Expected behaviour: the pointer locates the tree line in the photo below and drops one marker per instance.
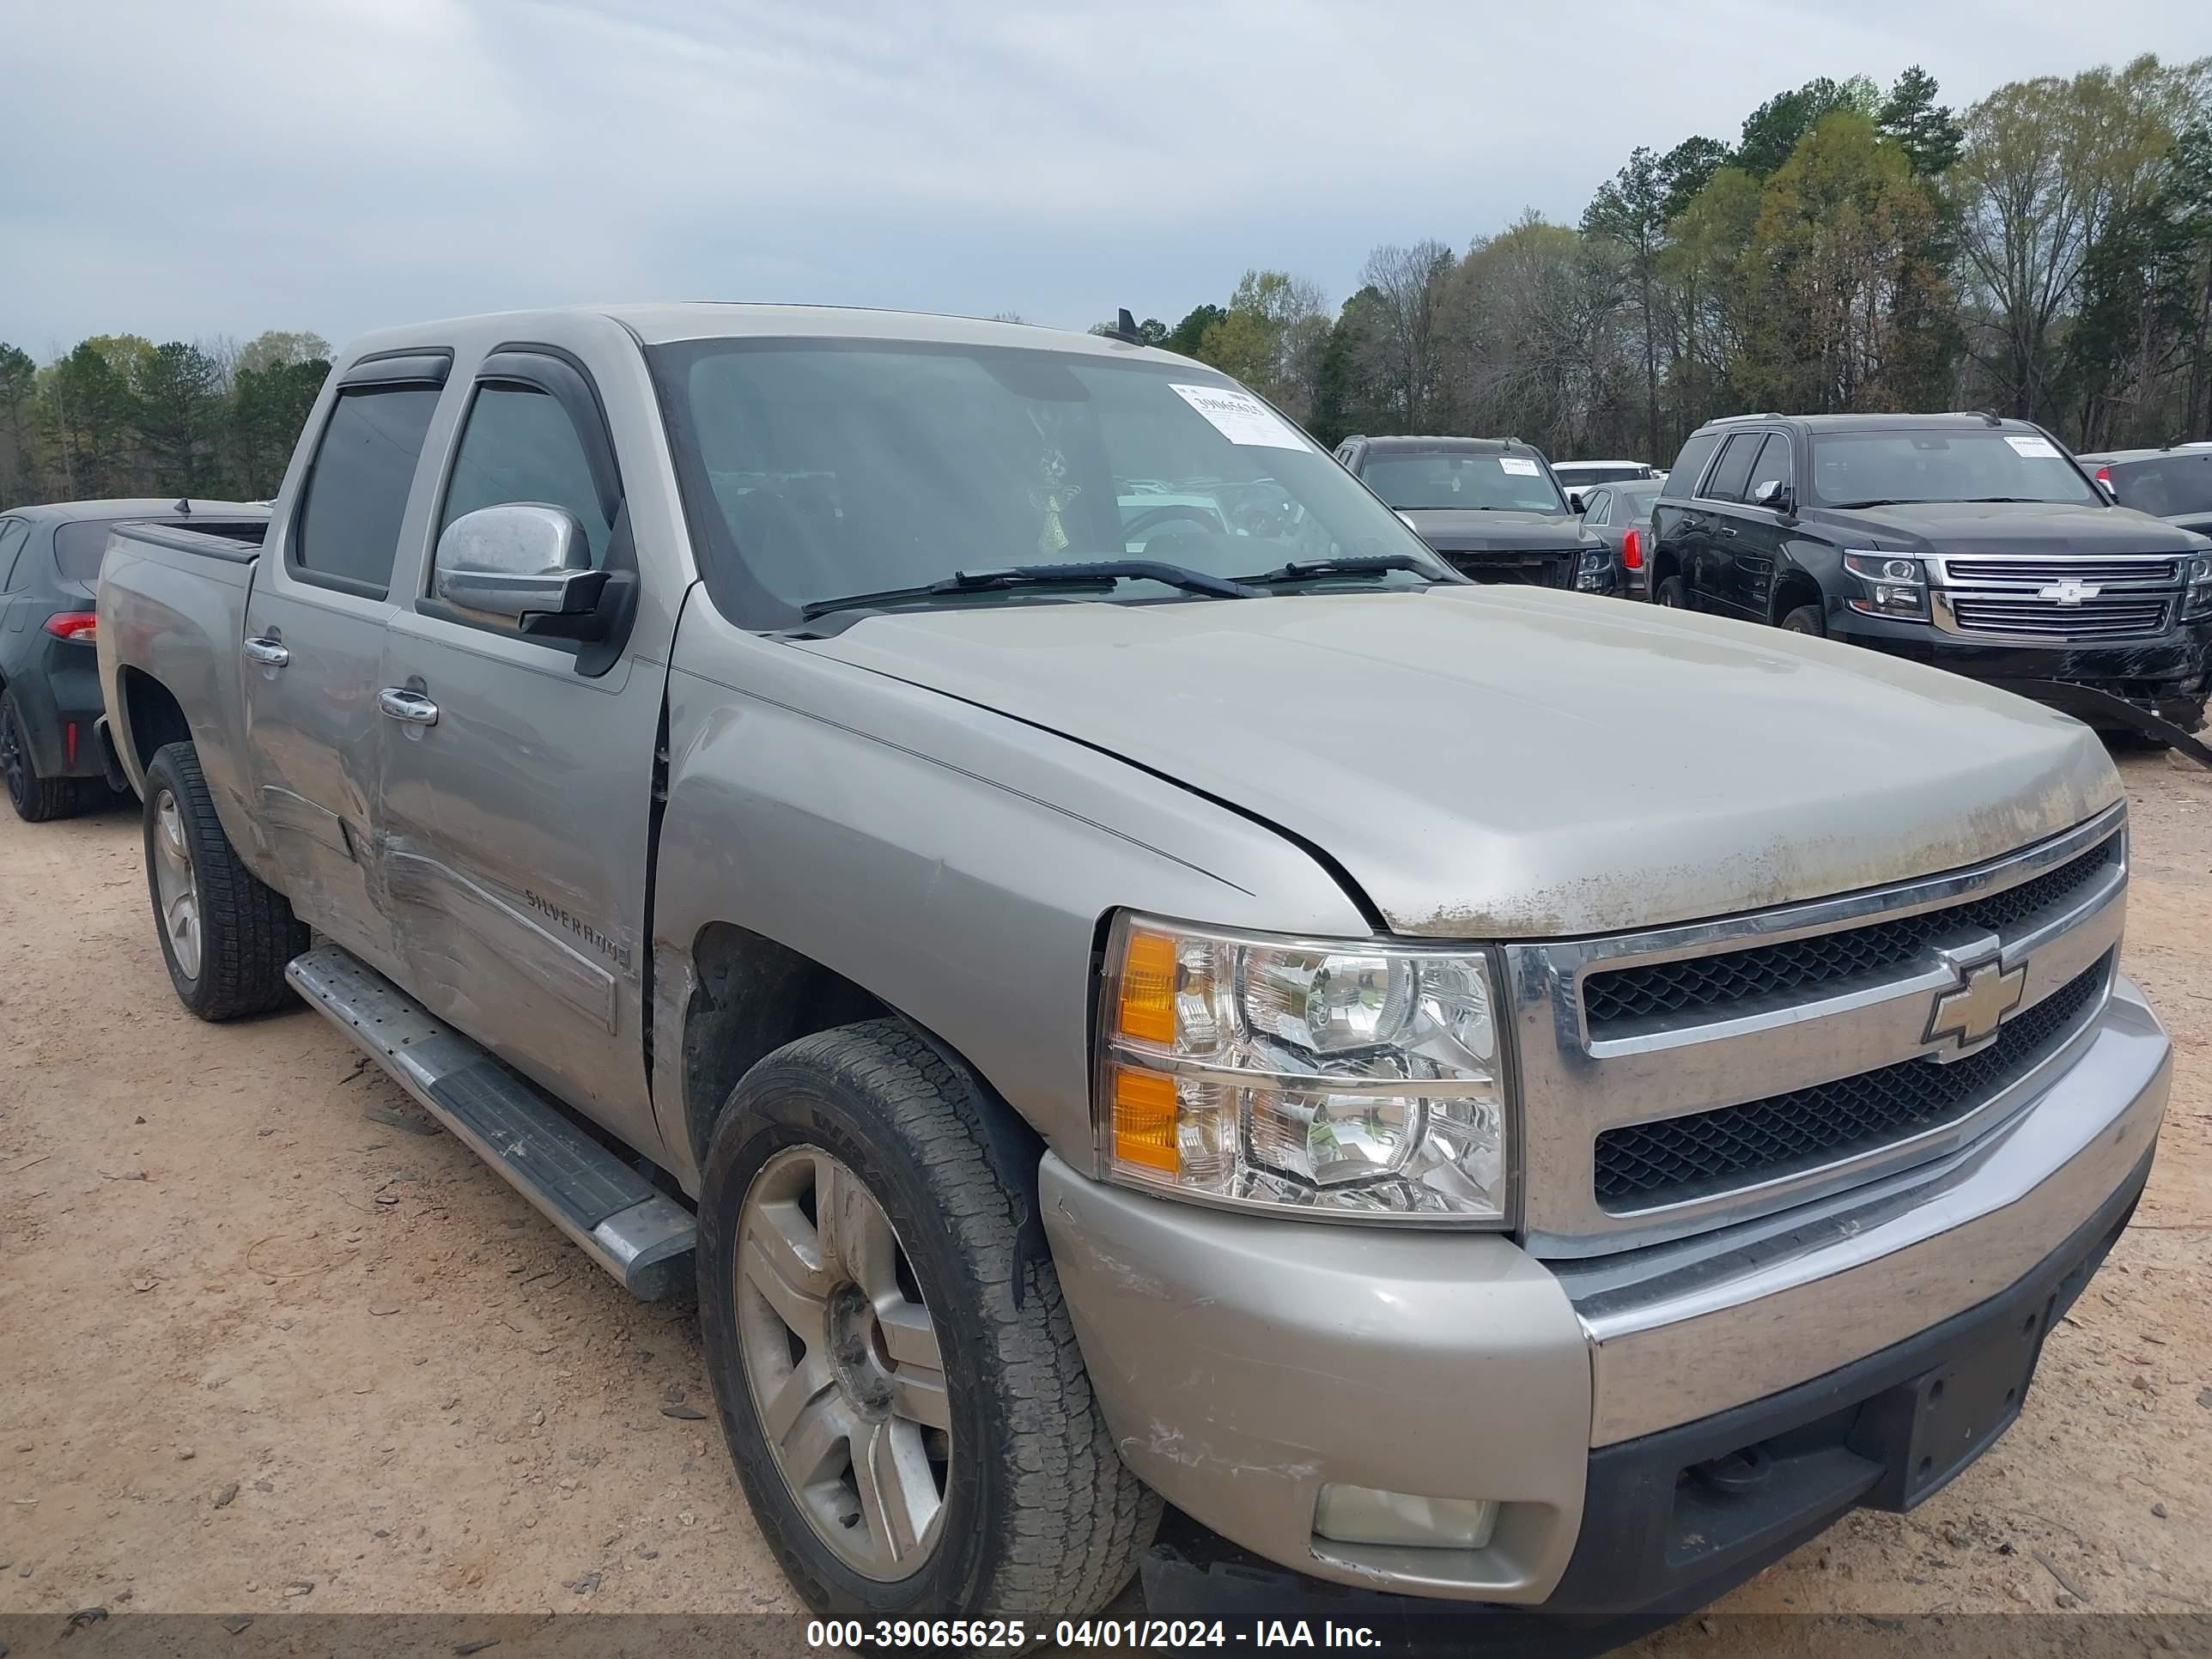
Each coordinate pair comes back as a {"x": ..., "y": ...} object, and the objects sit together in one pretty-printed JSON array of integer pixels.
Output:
[
  {"x": 2046, "y": 253},
  {"x": 119, "y": 416}
]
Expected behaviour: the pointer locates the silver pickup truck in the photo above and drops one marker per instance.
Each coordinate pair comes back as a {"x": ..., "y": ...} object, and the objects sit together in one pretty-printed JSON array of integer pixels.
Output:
[{"x": 1114, "y": 996}]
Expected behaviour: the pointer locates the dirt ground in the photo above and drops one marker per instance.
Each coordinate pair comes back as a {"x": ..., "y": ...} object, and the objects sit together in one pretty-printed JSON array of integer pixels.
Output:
[{"x": 263, "y": 1326}]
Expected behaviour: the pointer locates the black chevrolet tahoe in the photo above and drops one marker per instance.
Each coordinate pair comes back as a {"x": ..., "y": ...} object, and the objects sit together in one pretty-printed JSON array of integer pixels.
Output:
[
  {"x": 1491, "y": 506},
  {"x": 1964, "y": 540}
]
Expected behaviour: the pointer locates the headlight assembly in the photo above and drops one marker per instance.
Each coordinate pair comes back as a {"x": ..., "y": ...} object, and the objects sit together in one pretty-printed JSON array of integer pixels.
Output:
[
  {"x": 1349, "y": 1081},
  {"x": 1889, "y": 586}
]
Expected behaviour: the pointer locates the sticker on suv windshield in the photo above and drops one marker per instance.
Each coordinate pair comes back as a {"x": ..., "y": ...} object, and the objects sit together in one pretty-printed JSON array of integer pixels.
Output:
[
  {"x": 1520, "y": 465},
  {"x": 1240, "y": 417},
  {"x": 2034, "y": 449}
]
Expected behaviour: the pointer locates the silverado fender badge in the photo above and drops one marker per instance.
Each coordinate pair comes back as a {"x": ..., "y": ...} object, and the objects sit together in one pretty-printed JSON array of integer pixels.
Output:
[{"x": 1972, "y": 1011}]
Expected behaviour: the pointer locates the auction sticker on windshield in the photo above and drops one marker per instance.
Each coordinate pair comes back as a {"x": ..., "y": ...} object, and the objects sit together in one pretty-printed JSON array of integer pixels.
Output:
[
  {"x": 1240, "y": 418},
  {"x": 1519, "y": 466},
  {"x": 2033, "y": 449}
]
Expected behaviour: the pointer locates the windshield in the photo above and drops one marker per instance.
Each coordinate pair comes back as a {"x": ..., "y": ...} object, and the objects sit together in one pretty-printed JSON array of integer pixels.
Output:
[
  {"x": 2169, "y": 487},
  {"x": 1418, "y": 480},
  {"x": 1575, "y": 474},
  {"x": 81, "y": 544},
  {"x": 1866, "y": 468},
  {"x": 820, "y": 469}
]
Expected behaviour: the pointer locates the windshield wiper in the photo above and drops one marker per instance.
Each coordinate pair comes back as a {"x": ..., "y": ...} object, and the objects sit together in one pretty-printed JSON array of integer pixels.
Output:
[
  {"x": 1369, "y": 564},
  {"x": 1095, "y": 573},
  {"x": 1879, "y": 501},
  {"x": 2027, "y": 501}
]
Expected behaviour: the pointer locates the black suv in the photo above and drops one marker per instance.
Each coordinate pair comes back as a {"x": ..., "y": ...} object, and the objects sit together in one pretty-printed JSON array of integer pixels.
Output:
[
  {"x": 1964, "y": 540},
  {"x": 1490, "y": 506}
]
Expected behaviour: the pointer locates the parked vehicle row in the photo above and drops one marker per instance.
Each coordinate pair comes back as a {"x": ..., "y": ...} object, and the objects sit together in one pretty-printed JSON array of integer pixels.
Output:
[{"x": 1116, "y": 965}]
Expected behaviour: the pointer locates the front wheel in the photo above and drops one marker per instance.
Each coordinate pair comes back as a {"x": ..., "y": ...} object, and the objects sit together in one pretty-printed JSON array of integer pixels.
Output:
[
  {"x": 225, "y": 935},
  {"x": 1807, "y": 619},
  {"x": 1672, "y": 593},
  {"x": 898, "y": 1378}
]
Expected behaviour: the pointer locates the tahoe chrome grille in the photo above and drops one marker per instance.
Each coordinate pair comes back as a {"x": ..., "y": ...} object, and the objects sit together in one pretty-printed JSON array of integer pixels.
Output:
[
  {"x": 1702, "y": 984},
  {"x": 1643, "y": 1165},
  {"x": 2042, "y": 572},
  {"x": 1690, "y": 1076},
  {"x": 2125, "y": 617}
]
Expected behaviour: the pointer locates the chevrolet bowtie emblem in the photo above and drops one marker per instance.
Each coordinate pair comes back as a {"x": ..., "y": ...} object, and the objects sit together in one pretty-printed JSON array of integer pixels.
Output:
[
  {"x": 2070, "y": 592},
  {"x": 1972, "y": 1013}
]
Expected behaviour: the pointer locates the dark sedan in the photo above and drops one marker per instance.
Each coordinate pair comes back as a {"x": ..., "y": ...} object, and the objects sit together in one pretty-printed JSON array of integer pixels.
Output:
[
  {"x": 50, "y": 702},
  {"x": 1619, "y": 514}
]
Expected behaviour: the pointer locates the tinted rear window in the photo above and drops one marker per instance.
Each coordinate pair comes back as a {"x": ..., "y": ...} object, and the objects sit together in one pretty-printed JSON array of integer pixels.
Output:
[
  {"x": 2166, "y": 488},
  {"x": 78, "y": 547},
  {"x": 356, "y": 494},
  {"x": 1682, "y": 478}
]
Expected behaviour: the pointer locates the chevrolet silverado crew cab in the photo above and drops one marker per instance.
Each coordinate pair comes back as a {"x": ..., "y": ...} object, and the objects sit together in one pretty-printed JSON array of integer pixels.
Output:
[
  {"x": 1109, "y": 1027},
  {"x": 1966, "y": 541},
  {"x": 1491, "y": 506}
]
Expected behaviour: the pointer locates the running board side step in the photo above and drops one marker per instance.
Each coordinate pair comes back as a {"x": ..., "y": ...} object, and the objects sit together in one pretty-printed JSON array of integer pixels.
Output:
[{"x": 623, "y": 1221}]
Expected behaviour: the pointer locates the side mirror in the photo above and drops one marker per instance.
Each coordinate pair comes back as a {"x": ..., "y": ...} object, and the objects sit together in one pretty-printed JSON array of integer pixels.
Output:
[
  {"x": 526, "y": 564},
  {"x": 1575, "y": 502},
  {"x": 1772, "y": 493}
]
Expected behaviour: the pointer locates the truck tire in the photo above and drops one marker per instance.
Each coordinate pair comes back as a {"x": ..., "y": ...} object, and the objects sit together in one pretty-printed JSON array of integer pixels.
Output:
[
  {"x": 225, "y": 935},
  {"x": 1673, "y": 593},
  {"x": 36, "y": 800},
  {"x": 1807, "y": 619},
  {"x": 985, "y": 1485}
]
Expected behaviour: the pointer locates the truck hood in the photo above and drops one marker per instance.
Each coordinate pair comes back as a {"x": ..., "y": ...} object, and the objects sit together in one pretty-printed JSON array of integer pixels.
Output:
[
  {"x": 1510, "y": 762},
  {"x": 1469, "y": 530},
  {"x": 2012, "y": 527}
]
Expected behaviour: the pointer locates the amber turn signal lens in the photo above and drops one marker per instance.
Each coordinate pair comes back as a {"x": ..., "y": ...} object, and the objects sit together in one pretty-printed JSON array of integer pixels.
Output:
[
  {"x": 1148, "y": 988},
  {"x": 1144, "y": 1120}
]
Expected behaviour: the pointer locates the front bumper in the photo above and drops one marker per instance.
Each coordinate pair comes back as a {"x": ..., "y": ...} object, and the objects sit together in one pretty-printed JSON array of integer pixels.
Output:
[
  {"x": 2169, "y": 676},
  {"x": 1243, "y": 1363}
]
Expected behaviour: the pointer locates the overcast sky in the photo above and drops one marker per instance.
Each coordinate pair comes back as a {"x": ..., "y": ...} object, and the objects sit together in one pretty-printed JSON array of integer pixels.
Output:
[{"x": 180, "y": 168}]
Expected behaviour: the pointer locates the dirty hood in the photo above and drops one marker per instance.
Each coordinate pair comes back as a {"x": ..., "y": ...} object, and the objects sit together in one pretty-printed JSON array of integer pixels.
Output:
[
  {"x": 1956, "y": 527},
  {"x": 1502, "y": 762}
]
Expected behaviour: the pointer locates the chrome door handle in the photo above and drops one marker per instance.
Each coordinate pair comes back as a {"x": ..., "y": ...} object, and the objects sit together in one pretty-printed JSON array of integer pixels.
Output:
[
  {"x": 270, "y": 654},
  {"x": 409, "y": 706},
  {"x": 1728, "y": 530}
]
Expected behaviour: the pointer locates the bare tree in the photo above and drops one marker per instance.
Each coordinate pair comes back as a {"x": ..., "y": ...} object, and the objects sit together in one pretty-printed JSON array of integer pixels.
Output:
[{"x": 1406, "y": 335}]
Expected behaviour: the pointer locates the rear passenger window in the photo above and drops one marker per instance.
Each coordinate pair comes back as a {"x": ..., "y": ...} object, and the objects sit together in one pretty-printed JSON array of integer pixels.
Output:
[
  {"x": 1733, "y": 471},
  {"x": 520, "y": 446},
  {"x": 1682, "y": 477},
  {"x": 356, "y": 493}
]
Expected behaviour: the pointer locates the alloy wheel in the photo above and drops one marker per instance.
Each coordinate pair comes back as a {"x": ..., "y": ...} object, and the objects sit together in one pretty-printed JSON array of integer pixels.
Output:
[
  {"x": 176, "y": 886},
  {"x": 13, "y": 763},
  {"x": 844, "y": 1362}
]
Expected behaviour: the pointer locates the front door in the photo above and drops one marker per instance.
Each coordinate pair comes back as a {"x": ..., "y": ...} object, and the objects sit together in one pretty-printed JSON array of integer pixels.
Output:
[
  {"x": 313, "y": 645},
  {"x": 518, "y": 772},
  {"x": 1759, "y": 533}
]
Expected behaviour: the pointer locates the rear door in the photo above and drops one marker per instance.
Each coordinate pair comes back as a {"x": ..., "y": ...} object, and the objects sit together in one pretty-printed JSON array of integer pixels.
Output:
[
  {"x": 314, "y": 643},
  {"x": 517, "y": 820}
]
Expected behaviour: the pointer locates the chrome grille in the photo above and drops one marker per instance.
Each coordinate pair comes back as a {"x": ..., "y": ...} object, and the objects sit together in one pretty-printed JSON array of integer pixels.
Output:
[
  {"x": 1646, "y": 1164},
  {"x": 2106, "y": 617},
  {"x": 2041, "y": 573},
  {"x": 1706, "y": 986},
  {"x": 1692, "y": 1076}
]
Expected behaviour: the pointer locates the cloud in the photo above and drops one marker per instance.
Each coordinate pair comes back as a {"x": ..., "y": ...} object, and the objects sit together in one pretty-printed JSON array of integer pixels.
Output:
[{"x": 234, "y": 165}]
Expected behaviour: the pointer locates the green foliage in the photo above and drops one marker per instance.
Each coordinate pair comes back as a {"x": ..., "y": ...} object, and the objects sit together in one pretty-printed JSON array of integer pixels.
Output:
[
  {"x": 1919, "y": 126},
  {"x": 117, "y": 416},
  {"x": 1186, "y": 335},
  {"x": 1771, "y": 132}
]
